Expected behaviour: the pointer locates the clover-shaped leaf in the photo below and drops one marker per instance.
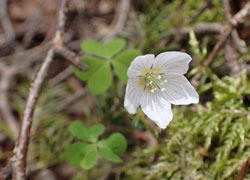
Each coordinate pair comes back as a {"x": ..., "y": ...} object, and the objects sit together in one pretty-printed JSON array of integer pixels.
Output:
[
  {"x": 85, "y": 154},
  {"x": 78, "y": 130},
  {"x": 122, "y": 62},
  {"x": 107, "y": 152},
  {"x": 93, "y": 64},
  {"x": 90, "y": 157},
  {"x": 117, "y": 143},
  {"x": 99, "y": 73},
  {"x": 90, "y": 134},
  {"x": 75, "y": 152},
  {"x": 101, "y": 79},
  {"x": 104, "y": 50},
  {"x": 95, "y": 131},
  {"x": 98, "y": 76}
]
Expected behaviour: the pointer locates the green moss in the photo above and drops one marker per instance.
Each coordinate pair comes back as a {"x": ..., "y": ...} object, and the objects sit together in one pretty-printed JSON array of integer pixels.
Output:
[{"x": 162, "y": 19}]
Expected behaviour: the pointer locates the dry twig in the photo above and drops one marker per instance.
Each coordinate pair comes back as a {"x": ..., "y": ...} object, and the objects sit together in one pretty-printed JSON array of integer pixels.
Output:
[
  {"x": 7, "y": 75},
  {"x": 199, "y": 29},
  {"x": 243, "y": 170},
  {"x": 235, "y": 20},
  {"x": 70, "y": 100},
  {"x": 239, "y": 43},
  {"x": 227, "y": 10},
  {"x": 61, "y": 76},
  {"x": 21, "y": 147},
  {"x": 29, "y": 56},
  {"x": 5, "y": 20},
  {"x": 227, "y": 31},
  {"x": 120, "y": 18},
  {"x": 70, "y": 56}
]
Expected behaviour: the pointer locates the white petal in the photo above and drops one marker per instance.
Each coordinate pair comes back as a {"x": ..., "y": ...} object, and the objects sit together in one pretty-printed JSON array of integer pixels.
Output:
[
  {"x": 139, "y": 64},
  {"x": 157, "y": 109},
  {"x": 179, "y": 91},
  {"x": 132, "y": 96},
  {"x": 173, "y": 62}
]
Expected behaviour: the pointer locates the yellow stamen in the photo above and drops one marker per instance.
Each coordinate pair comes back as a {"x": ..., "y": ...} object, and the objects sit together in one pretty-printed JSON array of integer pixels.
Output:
[{"x": 152, "y": 79}]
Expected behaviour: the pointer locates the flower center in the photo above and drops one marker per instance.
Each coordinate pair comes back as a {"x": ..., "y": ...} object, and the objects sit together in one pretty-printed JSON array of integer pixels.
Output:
[{"x": 152, "y": 80}]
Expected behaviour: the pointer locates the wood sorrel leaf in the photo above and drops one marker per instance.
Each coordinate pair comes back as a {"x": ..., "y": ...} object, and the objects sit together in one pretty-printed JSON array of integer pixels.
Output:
[
  {"x": 98, "y": 75},
  {"x": 74, "y": 153},
  {"x": 101, "y": 79},
  {"x": 122, "y": 62},
  {"x": 95, "y": 131},
  {"x": 104, "y": 50},
  {"x": 90, "y": 157},
  {"x": 78, "y": 130},
  {"x": 107, "y": 153},
  {"x": 117, "y": 143}
]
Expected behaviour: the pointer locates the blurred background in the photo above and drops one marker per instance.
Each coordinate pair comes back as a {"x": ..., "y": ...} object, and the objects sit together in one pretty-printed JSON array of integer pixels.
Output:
[{"x": 210, "y": 140}]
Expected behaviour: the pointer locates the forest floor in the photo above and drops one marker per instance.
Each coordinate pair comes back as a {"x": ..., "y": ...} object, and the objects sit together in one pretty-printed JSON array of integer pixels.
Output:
[{"x": 210, "y": 140}]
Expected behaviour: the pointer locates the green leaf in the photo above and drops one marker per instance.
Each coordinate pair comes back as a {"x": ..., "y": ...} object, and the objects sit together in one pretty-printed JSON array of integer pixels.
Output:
[
  {"x": 74, "y": 153},
  {"x": 101, "y": 79},
  {"x": 90, "y": 157},
  {"x": 117, "y": 142},
  {"x": 95, "y": 131},
  {"x": 78, "y": 130},
  {"x": 80, "y": 74},
  {"x": 122, "y": 62},
  {"x": 105, "y": 50},
  {"x": 93, "y": 64},
  {"x": 98, "y": 75},
  {"x": 107, "y": 153}
]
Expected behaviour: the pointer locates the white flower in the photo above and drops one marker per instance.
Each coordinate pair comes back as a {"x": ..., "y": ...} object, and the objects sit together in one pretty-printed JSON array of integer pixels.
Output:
[{"x": 154, "y": 83}]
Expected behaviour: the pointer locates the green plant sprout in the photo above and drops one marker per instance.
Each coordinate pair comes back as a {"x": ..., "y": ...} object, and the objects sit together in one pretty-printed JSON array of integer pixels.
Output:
[
  {"x": 86, "y": 153},
  {"x": 99, "y": 74}
]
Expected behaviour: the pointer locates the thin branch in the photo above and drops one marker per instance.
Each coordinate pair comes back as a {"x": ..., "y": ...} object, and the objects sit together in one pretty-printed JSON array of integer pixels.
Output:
[
  {"x": 238, "y": 18},
  {"x": 227, "y": 10},
  {"x": 61, "y": 76},
  {"x": 5, "y": 20},
  {"x": 239, "y": 43},
  {"x": 28, "y": 56},
  {"x": 7, "y": 74},
  {"x": 243, "y": 170},
  {"x": 58, "y": 44},
  {"x": 202, "y": 28},
  {"x": 120, "y": 18},
  {"x": 21, "y": 148},
  {"x": 71, "y": 100},
  {"x": 241, "y": 15},
  {"x": 71, "y": 57},
  {"x": 231, "y": 58},
  {"x": 235, "y": 20},
  {"x": 227, "y": 31},
  {"x": 230, "y": 54}
]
